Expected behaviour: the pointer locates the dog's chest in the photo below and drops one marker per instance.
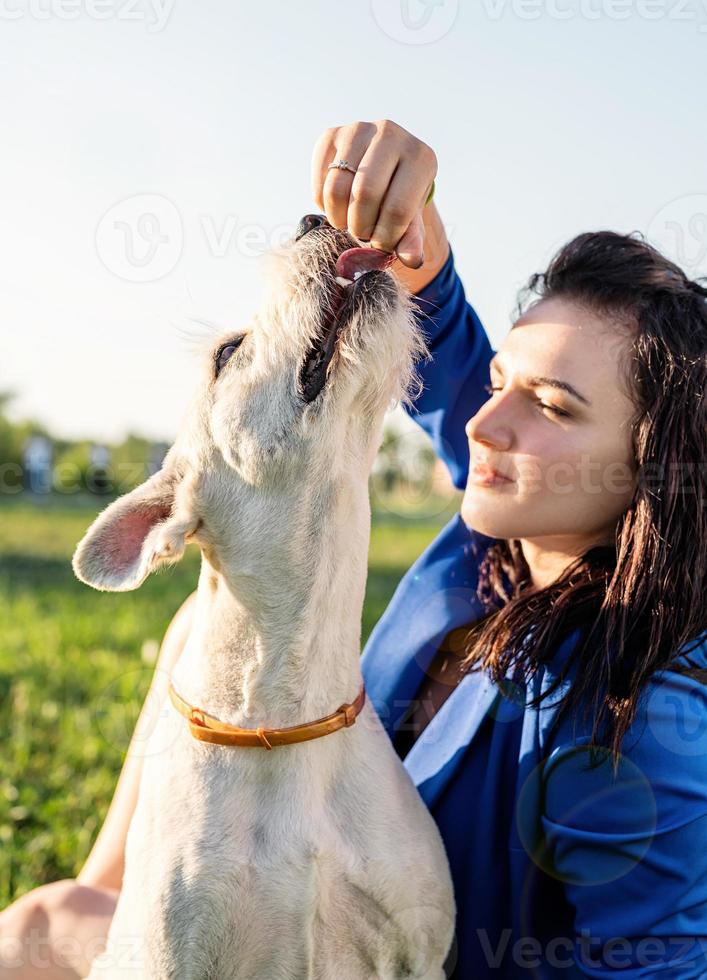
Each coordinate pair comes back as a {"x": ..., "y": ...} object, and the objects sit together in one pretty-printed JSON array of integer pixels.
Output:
[
  {"x": 238, "y": 874},
  {"x": 233, "y": 904},
  {"x": 225, "y": 873},
  {"x": 306, "y": 917}
]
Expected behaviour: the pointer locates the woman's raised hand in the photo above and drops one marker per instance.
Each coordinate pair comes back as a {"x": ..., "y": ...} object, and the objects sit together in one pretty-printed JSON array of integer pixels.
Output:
[{"x": 382, "y": 202}]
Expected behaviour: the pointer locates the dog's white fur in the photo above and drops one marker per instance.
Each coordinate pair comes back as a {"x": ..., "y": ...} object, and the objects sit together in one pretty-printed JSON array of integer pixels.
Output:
[{"x": 315, "y": 860}]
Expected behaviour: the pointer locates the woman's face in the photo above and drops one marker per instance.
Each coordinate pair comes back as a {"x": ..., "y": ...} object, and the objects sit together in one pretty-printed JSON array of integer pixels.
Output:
[{"x": 570, "y": 476}]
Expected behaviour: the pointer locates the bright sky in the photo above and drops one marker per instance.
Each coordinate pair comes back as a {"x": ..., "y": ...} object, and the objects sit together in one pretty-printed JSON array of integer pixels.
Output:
[{"x": 152, "y": 149}]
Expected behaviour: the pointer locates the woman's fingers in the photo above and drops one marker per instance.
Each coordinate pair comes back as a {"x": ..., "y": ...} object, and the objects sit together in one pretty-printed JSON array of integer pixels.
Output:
[
  {"x": 322, "y": 155},
  {"x": 347, "y": 143},
  {"x": 370, "y": 186},
  {"x": 382, "y": 201},
  {"x": 403, "y": 201},
  {"x": 411, "y": 246}
]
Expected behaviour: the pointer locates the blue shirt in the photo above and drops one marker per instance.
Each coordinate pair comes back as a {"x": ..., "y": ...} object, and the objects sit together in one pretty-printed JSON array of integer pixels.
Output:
[{"x": 559, "y": 870}]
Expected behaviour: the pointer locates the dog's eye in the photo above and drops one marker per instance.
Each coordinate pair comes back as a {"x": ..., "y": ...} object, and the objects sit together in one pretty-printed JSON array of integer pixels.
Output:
[{"x": 226, "y": 351}]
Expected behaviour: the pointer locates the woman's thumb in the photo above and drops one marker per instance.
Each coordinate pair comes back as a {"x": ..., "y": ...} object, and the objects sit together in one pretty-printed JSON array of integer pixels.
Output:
[{"x": 410, "y": 247}]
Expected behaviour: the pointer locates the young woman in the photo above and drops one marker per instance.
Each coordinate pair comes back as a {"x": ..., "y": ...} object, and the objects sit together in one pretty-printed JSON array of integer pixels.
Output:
[{"x": 540, "y": 668}]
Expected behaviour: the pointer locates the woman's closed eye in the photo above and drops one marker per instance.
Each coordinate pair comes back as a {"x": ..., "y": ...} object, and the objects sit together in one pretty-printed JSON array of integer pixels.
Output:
[{"x": 541, "y": 404}]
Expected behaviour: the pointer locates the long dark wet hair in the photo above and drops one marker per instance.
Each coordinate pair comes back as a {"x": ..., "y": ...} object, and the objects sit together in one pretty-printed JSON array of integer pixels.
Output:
[{"x": 641, "y": 601}]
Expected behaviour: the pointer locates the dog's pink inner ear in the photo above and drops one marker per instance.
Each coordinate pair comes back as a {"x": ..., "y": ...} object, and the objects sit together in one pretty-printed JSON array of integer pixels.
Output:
[{"x": 124, "y": 538}]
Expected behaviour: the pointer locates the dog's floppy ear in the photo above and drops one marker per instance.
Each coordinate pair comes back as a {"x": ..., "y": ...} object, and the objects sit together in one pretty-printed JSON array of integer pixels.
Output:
[{"x": 137, "y": 532}]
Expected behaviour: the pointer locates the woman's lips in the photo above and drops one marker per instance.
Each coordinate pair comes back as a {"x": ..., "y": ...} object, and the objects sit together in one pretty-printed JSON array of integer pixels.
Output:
[{"x": 485, "y": 476}]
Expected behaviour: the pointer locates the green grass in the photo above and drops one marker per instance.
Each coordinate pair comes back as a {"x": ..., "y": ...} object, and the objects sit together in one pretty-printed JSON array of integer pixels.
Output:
[{"x": 72, "y": 675}]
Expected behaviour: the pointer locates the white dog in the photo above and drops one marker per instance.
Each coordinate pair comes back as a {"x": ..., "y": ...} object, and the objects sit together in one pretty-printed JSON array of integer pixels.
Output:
[{"x": 316, "y": 859}]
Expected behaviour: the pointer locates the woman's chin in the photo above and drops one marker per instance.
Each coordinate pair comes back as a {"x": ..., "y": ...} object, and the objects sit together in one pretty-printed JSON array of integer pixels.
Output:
[
  {"x": 485, "y": 517},
  {"x": 476, "y": 520}
]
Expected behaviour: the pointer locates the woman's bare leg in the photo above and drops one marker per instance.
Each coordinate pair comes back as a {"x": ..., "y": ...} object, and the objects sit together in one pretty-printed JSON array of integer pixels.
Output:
[
  {"x": 103, "y": 867},
  {"x": 54, "y": 931}
]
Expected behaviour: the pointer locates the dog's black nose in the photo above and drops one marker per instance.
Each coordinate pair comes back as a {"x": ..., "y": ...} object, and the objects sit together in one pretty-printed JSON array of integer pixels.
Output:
[{"x": 307, "y": 223}]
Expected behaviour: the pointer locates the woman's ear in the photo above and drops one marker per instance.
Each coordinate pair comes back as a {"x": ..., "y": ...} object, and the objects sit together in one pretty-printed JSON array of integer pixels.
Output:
[{"x": 137, "y": 532}]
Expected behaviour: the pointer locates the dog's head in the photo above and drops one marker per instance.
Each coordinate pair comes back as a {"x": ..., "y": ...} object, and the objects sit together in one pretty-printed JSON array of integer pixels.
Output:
[{"x": 288, "y": 409}]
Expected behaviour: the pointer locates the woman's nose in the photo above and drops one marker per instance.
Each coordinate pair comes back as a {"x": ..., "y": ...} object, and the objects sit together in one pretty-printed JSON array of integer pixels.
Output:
[
  {"x": 308, "y": 223},
  {"x": 489, "y": 431}
]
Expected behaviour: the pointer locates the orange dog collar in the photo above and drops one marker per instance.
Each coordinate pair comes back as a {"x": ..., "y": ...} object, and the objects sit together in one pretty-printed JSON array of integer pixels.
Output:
[{"x": 209, "y": 729}]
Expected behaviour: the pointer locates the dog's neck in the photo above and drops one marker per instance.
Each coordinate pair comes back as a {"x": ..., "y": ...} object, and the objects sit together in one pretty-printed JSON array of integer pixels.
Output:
[{"x": 280, "y": 645}]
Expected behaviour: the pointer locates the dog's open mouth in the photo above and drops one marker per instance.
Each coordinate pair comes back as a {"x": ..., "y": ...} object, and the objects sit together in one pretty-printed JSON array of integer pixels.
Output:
[{"x": 355, "y": 269}]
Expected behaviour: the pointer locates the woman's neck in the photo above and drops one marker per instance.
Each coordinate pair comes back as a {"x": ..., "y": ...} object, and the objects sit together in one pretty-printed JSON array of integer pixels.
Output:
[{"x": 548, "y": 557}]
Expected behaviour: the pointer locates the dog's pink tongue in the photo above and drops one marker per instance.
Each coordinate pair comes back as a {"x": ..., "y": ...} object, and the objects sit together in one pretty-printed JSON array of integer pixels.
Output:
[{"x": 360, "y": 260}]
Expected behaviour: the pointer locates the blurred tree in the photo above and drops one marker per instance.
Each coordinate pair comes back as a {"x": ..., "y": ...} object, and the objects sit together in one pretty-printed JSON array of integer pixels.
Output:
[
  {"x": 126, "y": 464},
  {"x": 13, "y": 438},
  {"x": 8, "y": 449},
  {"x": 131, "y": 462},
  {"x": 70, "y": 466}
]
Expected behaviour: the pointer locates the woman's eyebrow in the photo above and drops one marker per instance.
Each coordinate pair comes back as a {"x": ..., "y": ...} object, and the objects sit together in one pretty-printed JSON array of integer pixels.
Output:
[{"x": 546, "y": 382}]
